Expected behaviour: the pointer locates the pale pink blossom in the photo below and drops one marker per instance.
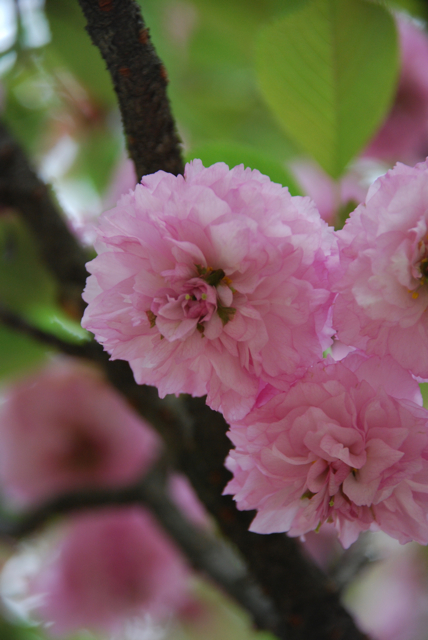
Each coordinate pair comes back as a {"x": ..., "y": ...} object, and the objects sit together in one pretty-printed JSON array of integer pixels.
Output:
[
  {"x": 382, "y": 306},
  {"x": 215, "y": 283},
  {"x": 333, "y": 199},
  {"x": 65, "y": 428},
  {"x": 347, "y": 444},
  {"x": 109, "y": 566},
  {"x": 404, "y": 134},
  {"x": 389, "y": 599}
]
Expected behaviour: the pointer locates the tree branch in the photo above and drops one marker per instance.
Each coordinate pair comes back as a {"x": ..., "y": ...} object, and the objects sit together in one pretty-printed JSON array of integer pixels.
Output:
[
  {"x": 89, "y": 350},
  {"x": 21, "y": 189},
  {"x": 139, "y": 79},
  {"x": 204, "y": 552}
]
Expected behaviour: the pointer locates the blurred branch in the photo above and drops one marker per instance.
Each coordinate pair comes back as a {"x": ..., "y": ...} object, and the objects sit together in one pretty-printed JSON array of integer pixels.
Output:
[
  {"x": 352, "y": 561},
  {"x": 205, "y": 552},
  {"x": 21, "y": 189},
  {"x": 139, "y": 79},
  {"x": 89, "y": 350}
]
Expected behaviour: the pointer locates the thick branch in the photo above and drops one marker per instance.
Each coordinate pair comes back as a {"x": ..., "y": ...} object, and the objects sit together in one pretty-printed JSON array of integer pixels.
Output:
[
  {"x": 21, "y": 189},
  {"x": 139, "y": 78},
  {"x": 205, "y": 553}
]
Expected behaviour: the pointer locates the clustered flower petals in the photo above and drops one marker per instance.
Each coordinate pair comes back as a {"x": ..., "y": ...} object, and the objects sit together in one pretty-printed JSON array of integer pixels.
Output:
[
  {"x": 343, "y": 445},
  {"x": 382, "y": 302},
  {"x": 221, "y": 283},
  {"x": 215, "y": 283}
]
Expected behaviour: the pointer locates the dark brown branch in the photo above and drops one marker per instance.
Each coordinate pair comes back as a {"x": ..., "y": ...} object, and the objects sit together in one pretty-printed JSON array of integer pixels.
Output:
[
  {"x": 21, "y": 189},
  {"x": 205, "y": 552},
  {"x": 139, "y": 78}
]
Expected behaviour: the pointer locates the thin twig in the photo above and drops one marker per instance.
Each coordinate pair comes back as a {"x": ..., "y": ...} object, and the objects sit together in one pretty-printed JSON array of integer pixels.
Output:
[
  {"x": 204, "y": 552},
  {"x": 139, "y": 78},
  {"x": 89, "y": 350}
]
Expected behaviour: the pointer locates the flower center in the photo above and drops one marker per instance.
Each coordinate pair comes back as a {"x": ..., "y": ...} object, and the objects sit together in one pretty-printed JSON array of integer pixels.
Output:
[
  {"x": 420, "y": 268},
  {"x": 423, "y": 268},
  {"x": 211, "y": 276},
  {"x": 84, "y": 453},
  {"x": 190, "y": 304}
]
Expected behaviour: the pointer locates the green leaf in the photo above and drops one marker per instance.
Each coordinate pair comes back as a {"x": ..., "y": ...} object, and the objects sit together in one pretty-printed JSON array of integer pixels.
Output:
[
  {"x": 28, "y": 288},
  {"x": 234, "y": 154},
  {"x": 72, "y": 44},
  {"x": 328, "y": 71},
  {"x": 99, "y": 152},
  {"x": 19, "y": 354},
  {"x": 24, "y": 281},
  {"x": 424, "y": 390},
  {"x": 52, "y": 319},
  {"x": 18, "y": 631}
]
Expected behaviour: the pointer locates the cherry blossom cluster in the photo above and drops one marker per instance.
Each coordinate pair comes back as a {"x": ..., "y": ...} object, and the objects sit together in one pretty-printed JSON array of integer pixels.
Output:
[{"x": 221, "y": 283}]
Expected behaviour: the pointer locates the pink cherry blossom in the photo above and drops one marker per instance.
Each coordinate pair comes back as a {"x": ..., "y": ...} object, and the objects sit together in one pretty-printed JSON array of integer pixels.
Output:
[
  {"x": 332, "y": 197},
  {"x": 389, "y": 600},
  {"x": 109, "y": 566},
  {"x": 213, "y": 283},
  {"x": 347, "y": 444},
  {"x": 65, "y": 428},
  {"x": 382, "y": 306},
  {"x": 404, "y": 134}
]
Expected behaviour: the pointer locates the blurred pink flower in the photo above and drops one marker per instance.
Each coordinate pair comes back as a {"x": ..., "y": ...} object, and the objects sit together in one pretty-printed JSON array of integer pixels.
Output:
[
  {"x": 382, "y": 306},
  {"x": 404, "y": 134},
  {"x": 65, "y": 428},
  {"x": 213, "y": 283},
  {"x": 346, "y": 444},
  {"x": 330, "y": 197},
  {"x": 389, "y": 600},
  {"x": 109, "y": 566}
]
